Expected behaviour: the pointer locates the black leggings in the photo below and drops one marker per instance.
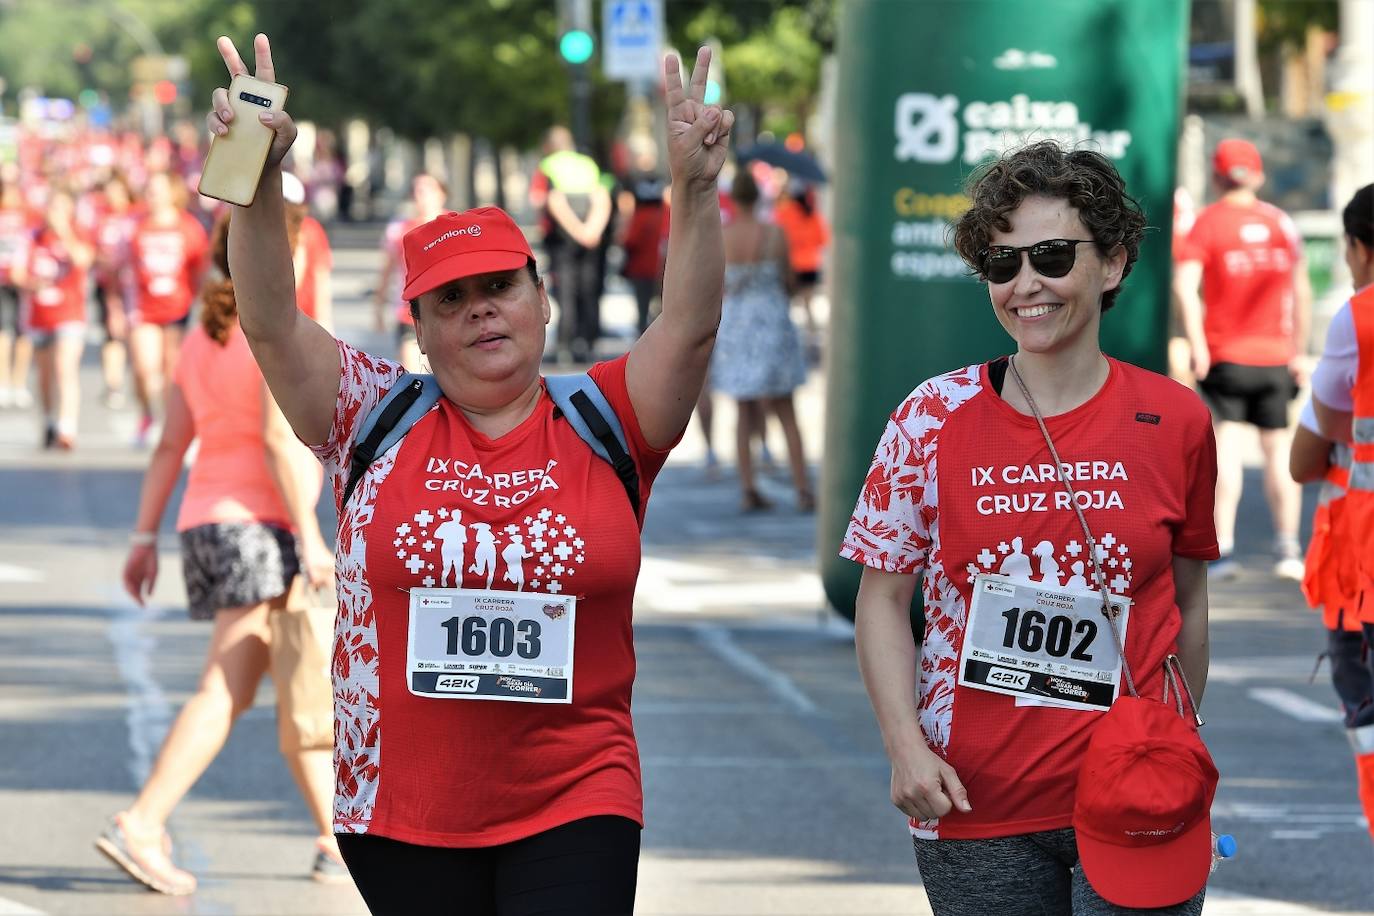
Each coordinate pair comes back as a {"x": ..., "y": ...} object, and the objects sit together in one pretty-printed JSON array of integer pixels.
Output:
[{"x": 585, "y": 868}]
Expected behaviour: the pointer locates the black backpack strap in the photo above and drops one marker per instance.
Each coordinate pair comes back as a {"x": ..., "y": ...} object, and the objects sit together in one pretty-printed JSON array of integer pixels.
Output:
[
  {"x": 620, "y": 459},
  {"x": 365, "y": 452},
  {"x": 579, "y": 401}
]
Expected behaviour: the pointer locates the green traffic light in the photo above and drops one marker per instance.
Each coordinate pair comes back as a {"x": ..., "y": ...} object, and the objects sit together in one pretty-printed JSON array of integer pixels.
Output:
[
  {"x": 712, "y": 95},
  {"x": 575, "y": 46}
]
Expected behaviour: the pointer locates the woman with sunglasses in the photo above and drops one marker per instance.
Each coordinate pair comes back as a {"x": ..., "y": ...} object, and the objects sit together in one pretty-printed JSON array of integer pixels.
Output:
[{"x": 965, "y": 491}]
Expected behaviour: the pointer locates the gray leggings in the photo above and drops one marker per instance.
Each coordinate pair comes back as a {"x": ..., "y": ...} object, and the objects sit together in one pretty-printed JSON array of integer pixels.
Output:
[{"x": 1035, "y": 874}]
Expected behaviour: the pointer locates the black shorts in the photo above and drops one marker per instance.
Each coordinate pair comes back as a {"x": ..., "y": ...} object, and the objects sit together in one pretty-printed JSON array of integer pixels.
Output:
[
  {"x": 10, "y": 312},
  {"x": 235, "y": 564},
  {"x": 1257, "y": 395},
  {"x": 585, "y": 868},
  {"x": 808, "y": 277}
]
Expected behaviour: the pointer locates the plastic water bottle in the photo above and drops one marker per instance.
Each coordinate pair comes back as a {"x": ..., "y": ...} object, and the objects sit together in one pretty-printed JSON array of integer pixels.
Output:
[{"x": 1223, "y": 847}]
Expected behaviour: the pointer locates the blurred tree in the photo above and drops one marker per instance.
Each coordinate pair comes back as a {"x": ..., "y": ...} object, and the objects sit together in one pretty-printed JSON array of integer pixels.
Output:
[
  {"x": 424, "y": 68},
  {"x": 772, "y": 51},
  {"x": 1284, "y": 23}
]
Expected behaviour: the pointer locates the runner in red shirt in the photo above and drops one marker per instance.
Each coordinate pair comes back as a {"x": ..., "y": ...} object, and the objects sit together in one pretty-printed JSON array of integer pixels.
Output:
[
  {"x": 530, "y": 789},
  {"x": 808, "y": 234},
  {"x": 169, "y": 256},
  {"x": 114, "y": 222},
  {"x": 1248, "y": 333},
  {"x": 17, "y": 226},
  {"x": 55, "y": 280},
  {"x": 964, "y": 493},
  {"x": 310, "y": 254},
  {"x": 428, "y": 197}
]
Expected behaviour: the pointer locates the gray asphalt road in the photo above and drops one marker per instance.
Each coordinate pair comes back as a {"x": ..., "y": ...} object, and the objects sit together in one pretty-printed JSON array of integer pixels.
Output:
[{"x": 765, "y": 781}]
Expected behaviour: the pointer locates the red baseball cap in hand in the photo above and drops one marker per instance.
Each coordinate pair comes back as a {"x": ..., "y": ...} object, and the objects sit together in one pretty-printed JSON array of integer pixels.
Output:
[
  {"x": 456, "y": 245},
  {"x": 1237, "y": 160},
  {"x": 1142, "y": 809}
]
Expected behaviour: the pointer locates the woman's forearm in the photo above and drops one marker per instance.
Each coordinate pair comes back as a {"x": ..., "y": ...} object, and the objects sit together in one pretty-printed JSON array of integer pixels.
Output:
[
  {"x": 158, "y": 482},
  {"x": 1190, "y": 589},
  {"x": 285, "y": 463},
  {"x": 260, "y": 263},
  {"x": 887, "y": 662},
  {"x": 693, "y": 281}
]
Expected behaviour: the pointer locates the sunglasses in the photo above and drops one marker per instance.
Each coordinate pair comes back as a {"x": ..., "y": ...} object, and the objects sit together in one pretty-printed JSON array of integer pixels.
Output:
[{"x": 1050, "y": 258}]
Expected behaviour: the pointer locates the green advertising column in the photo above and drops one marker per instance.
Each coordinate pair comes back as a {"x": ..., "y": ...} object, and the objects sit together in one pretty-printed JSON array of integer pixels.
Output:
[{"x": 928, "y": 90}]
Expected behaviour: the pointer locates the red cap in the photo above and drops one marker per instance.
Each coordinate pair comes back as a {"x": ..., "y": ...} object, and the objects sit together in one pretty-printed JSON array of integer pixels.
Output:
[
  {"x": 456, "y": 245},
  {"x": 1142, "y": 809},
  {"x": 1237, "y": 160}
]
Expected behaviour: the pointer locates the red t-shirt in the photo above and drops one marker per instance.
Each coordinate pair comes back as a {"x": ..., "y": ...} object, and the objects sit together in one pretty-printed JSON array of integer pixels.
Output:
[
  {"x": 553, "y": 518},
  {"x": 230, "y": 480},
  {"x": 57, "y": 287},
  {"x": 392, "y": 248},
  {"x": 1248, "y": 255},
  {"x": 315, "y": 247},
  {"x": 168, "y": 262},
  {"x": 807, "y": 235},
  {"x": 114, "y": 235},
  {"x": 962, "y": 484}
]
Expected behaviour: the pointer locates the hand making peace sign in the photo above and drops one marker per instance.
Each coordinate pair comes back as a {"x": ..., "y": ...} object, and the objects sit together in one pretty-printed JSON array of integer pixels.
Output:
[
  {"x": 221, "y": 114},
  {"x": 698, "y": 134}
]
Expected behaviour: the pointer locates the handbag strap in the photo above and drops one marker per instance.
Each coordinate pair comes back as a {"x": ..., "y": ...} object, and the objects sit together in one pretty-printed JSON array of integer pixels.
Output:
[{"x": 1099, "y": 577}]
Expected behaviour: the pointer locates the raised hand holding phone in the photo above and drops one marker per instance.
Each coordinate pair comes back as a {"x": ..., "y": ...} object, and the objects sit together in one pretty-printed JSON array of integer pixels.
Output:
[{"x": 250, "y": 130}]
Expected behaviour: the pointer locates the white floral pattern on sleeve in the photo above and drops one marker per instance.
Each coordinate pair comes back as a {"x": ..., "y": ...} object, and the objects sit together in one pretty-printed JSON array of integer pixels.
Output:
[
  {"x": 896, "y": 528},
  {"x": 364, "y": 381}
]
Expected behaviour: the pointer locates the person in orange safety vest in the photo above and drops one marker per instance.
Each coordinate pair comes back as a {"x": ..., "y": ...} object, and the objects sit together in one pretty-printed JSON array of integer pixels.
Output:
[{"x": 1343, "y": 407}]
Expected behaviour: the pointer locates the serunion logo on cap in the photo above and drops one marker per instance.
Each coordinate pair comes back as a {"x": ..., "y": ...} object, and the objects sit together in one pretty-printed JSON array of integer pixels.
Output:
[{"x": 473, "y": 231}]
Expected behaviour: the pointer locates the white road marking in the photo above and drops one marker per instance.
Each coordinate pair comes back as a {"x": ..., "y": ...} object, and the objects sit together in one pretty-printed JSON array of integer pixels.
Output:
[
  {"x": 149, "y": 715},
  {"x": 14, "y": 908},
  {"x": 657, "y": 568},
  {"x": 1266, "y": 668},
  {"x": 1229, "y": 903},
  {"x": 19, "y": 574},
  {"x": 672, "y": 597},
  {"x": 719, "y": 641},
  {"x": 1289, "y": 703}
]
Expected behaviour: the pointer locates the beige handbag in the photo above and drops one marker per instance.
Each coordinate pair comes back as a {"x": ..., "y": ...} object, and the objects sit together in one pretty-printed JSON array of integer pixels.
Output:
[{"x": 301, "y": 649}]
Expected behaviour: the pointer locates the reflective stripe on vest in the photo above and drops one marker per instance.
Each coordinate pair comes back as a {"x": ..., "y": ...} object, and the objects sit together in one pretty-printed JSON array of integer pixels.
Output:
[
  {"x": 1336, "y": 480},
  {"x": 1362, "y": 439},
  {"x": 1358, "y": 524}
]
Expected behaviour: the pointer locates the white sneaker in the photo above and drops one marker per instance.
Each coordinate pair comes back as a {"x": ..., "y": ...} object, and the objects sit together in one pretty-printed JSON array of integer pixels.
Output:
[
  {"x": 21, "y": 398},
  {"x": 1290, "y": 568}
]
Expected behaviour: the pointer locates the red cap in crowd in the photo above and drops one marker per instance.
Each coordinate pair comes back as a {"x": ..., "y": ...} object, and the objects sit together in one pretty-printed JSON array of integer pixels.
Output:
[
  {"x": 1142, "y": 809},
  {"x": 1237, "y": 160},
  {"x": 456, "y": 245}
]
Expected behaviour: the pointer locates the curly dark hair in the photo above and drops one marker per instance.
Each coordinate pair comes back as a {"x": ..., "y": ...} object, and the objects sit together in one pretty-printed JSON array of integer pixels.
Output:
[{"x": 1086, "y": 179}]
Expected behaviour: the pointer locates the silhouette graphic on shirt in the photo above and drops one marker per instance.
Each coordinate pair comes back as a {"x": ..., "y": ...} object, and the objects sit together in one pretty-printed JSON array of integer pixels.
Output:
[
  {"x": 484, "y": 555},
  {"x": 1077, "y": 580},
  {"x": 453, "y": 534},
  {"x": 1049, "y": 566},
  {"x": 514, "y": 554},
  {"x": 1016, "y": 563}
]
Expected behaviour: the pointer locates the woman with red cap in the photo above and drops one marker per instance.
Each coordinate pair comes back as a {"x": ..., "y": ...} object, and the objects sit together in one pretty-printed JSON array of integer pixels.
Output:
[
  {"x": 491, "y": 533},
  {"x": 1055, "y": 502}
]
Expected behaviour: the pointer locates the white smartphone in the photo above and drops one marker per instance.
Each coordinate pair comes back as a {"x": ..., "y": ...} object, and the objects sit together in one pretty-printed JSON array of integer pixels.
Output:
[{"x": 233, "y": 167}]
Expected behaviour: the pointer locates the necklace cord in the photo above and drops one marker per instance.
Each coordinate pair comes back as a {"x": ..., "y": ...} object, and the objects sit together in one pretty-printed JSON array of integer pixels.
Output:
[{"x": 1099, "y": 577}]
